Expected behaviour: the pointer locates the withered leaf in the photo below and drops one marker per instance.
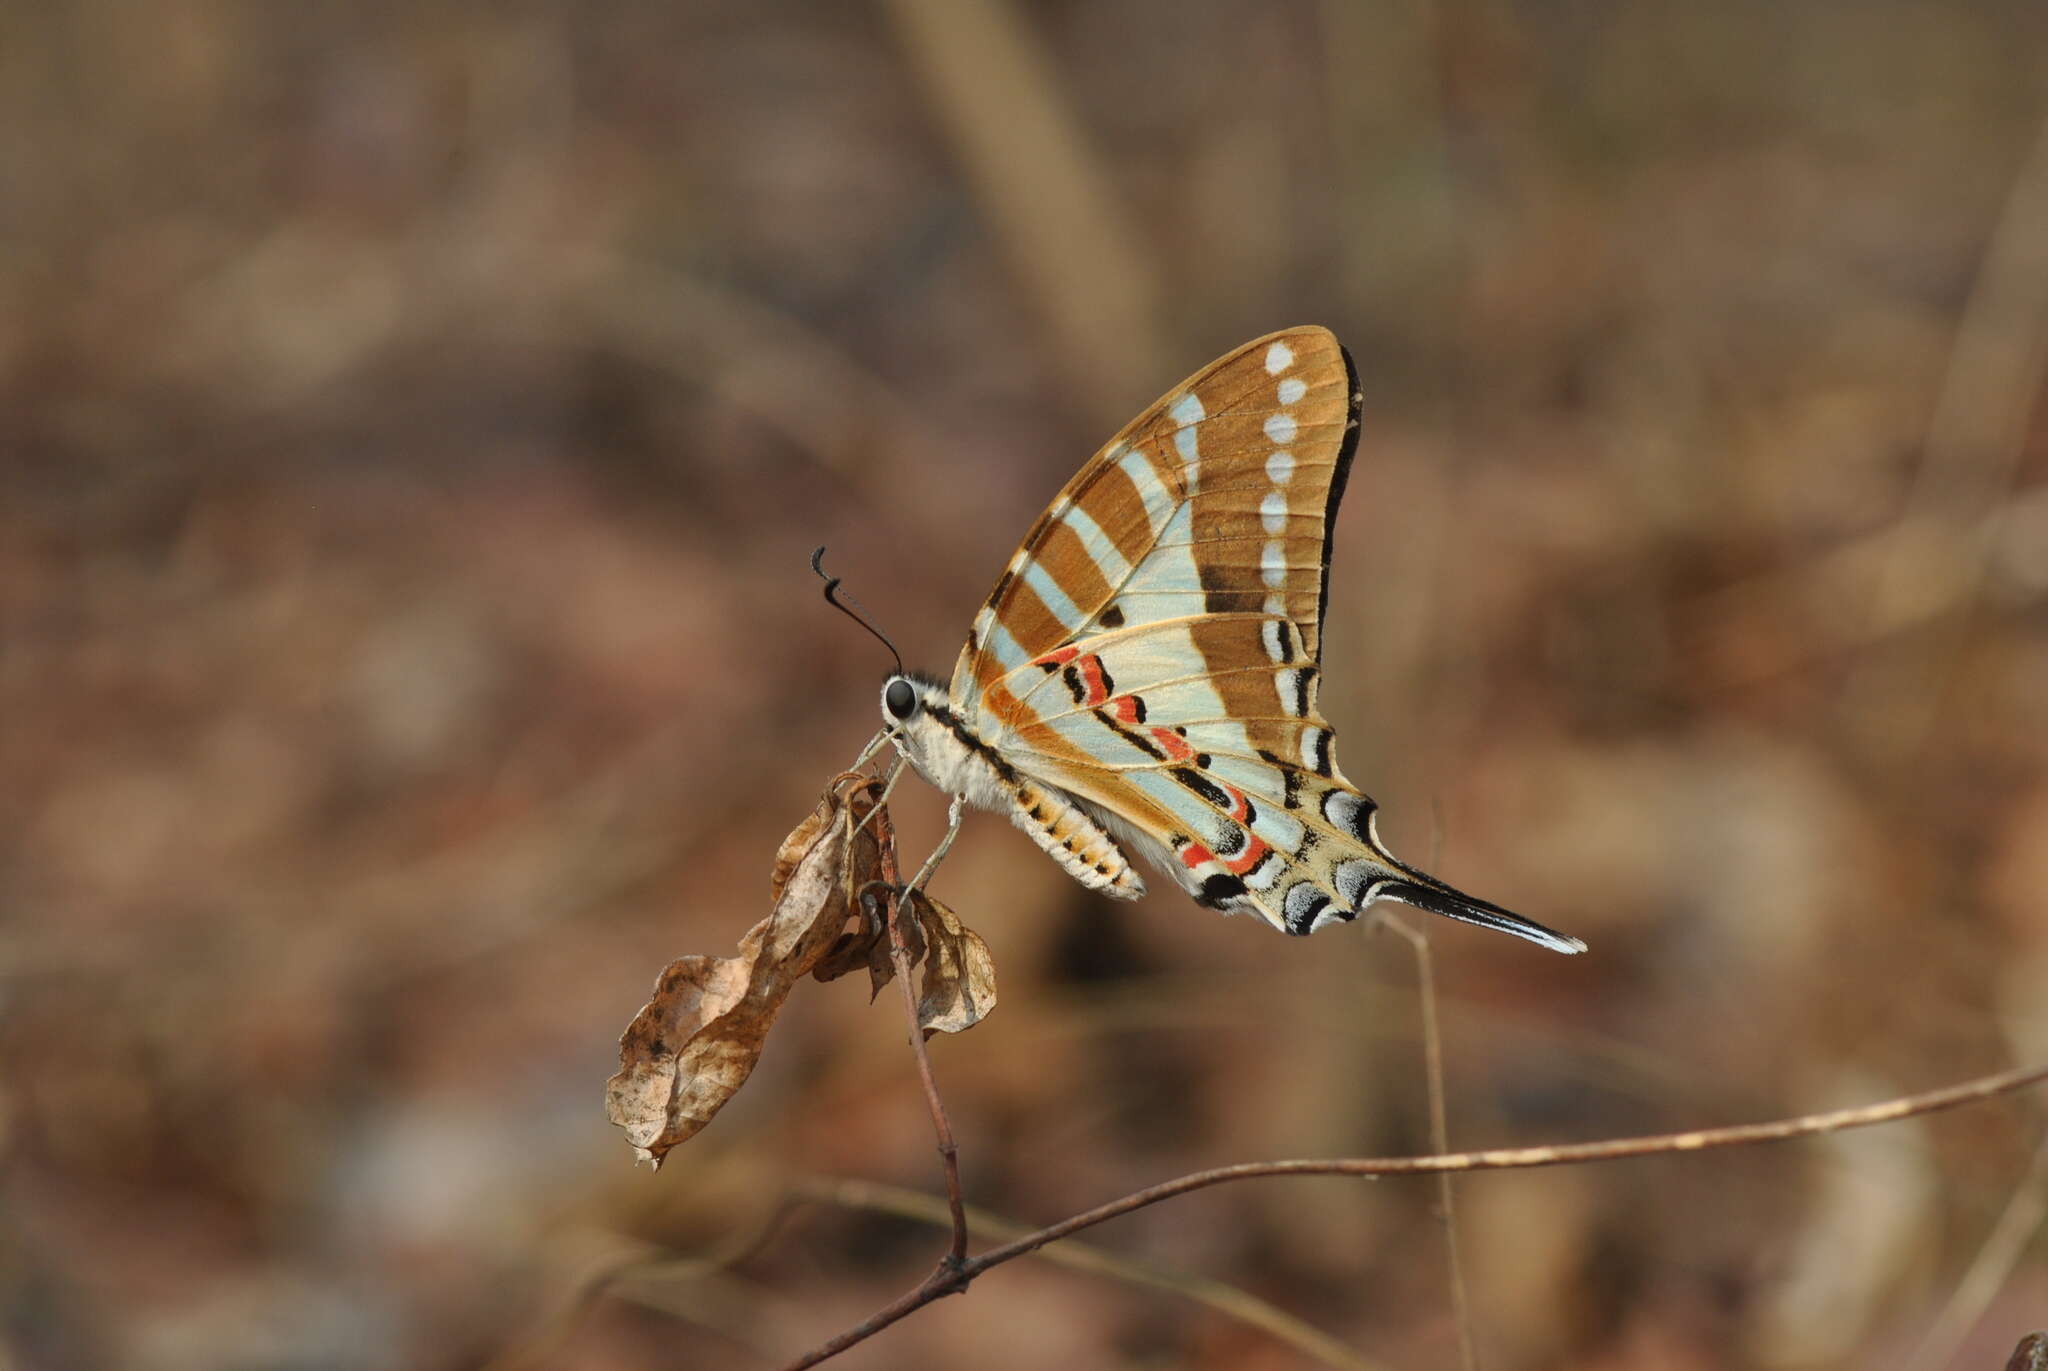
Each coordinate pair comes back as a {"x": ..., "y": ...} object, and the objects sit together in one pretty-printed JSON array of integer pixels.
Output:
[
  {"x": 695, "y": 1043},
  {"x": 959, "y": 984},
  {"x": 697, "y": 1040},
  {"x": 958, "y": 987}
]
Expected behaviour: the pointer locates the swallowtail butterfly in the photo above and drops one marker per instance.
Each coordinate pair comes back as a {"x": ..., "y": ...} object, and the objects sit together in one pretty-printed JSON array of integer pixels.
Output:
[{"x": 1143, "y": 677}]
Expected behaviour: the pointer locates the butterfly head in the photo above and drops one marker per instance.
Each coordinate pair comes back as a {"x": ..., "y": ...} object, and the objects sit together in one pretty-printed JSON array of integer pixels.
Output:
[
  {"x": 912, "y": 705},
  {"x": 936, "y": 741}
]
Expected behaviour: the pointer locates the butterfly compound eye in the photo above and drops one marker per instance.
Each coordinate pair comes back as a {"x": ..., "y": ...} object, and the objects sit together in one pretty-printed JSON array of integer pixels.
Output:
[{"x": 899, "y": 699}]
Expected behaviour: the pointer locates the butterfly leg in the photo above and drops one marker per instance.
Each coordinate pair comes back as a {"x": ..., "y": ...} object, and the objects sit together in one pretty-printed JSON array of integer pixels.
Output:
[
  {"x": 875, "y": 744},
  {"x": 888, "y": 789},
  {"x": 931, "y": 863}
]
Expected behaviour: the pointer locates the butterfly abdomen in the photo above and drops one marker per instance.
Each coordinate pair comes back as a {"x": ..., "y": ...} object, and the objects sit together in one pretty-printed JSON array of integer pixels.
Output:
[{"x": 1073, "y": 838}]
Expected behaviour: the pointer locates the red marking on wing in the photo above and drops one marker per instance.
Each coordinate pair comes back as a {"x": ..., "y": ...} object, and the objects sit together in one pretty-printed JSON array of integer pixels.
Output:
[
  {"x": 1175, "y": 746},
  {"x": 1092, "y": 680},
  {"x": 1058, "y": 656},
  {"x": 1126, "y": 708},
  {"x": 1253, "y": 852},
  {"x": 1194, "y": 854}
]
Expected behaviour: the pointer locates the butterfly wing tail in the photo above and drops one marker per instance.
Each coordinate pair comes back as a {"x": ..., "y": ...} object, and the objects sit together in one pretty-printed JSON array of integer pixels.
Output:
[{"x": 1426, "y": 892}]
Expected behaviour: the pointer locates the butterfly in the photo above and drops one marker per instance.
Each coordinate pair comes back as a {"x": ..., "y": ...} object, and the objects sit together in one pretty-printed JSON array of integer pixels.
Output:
[{"x": 1143, "y": 677}]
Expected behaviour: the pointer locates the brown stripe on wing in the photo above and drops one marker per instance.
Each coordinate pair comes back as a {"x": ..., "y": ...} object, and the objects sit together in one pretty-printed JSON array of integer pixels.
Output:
[
  {"x": 1113, "y": 502},
  {"x": 1074, "y": 570},
  {"x": 1229, "y": 647}
]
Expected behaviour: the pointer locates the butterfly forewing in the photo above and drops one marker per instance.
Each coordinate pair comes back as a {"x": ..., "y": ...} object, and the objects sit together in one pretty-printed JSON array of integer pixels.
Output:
[{"x": 1214, "y": 500}]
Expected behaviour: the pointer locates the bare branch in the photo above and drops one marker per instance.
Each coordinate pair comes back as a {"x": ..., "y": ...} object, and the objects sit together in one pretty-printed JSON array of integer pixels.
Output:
[
  {"x": 899, "y": 953},
  {"x": 949, "y": 1278},
  {"x": 1228, "y": 1300}
]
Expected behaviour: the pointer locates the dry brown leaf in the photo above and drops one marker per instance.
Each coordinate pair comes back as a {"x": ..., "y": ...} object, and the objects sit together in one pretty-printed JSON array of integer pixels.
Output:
[
  {"x": 697, "y": 1040},
  {"x": 866, "y": 946},
  {"x": 959, "y": 985},
  {"x": 695, "y": 1043}
]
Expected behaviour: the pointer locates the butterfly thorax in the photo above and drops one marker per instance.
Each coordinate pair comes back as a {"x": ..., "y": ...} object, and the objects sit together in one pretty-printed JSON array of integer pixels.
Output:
[{"x": 942, "y": 746}]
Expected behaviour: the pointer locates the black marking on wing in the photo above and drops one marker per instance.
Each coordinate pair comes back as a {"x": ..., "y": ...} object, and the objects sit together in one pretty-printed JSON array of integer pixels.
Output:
[
  {"x": 1113, "y": 617},
  {"x": 1219, "y": 594},
  {"x": 1300, "y": 906},
  {"x": 1075, "y": 686},
  {"x": 1322, "y": 759},
  {"x": 1290, "y": 780},
  {"x": 1347, "y": 449},
  {"x": 1219, "y": 890},
  {"x": 1302, "y": 679},
  {"x": 1202, "y": 786},
  {"x": 1129, "y": 735}
]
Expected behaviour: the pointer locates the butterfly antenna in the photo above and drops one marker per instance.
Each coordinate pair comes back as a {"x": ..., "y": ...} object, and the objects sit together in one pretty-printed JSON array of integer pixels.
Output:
[{"x": 850, "y": 607}]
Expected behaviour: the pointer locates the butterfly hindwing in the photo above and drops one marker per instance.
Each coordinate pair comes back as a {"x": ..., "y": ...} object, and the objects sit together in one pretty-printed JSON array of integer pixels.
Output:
[{"x": 1195, "y": 736}]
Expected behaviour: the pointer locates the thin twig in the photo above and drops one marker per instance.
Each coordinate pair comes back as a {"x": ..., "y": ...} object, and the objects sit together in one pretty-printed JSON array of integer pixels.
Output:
[
  {"x": 1225, "y": 1299},
  {"x": 899, "y": 956},
  {"x": 1439, "y": 1132},
  {"x": 943, "y": 1282}
]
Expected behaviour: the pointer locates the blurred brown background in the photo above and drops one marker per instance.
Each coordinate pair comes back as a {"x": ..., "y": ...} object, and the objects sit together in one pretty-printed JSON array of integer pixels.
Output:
[{"x": 415, "y": 422}]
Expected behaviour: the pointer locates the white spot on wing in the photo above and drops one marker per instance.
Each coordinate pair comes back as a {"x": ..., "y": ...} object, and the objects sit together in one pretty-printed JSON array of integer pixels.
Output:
[
  {"x": 1290, "y": 684},
  {"x": 1340, "y": 807},
  {"x": 1184, "y": 442},
  {"x": 1280, "y": 428},
  {"x": 1269, "y": 634},
  {"x": 1280, "y": 468},
  {"x": 1273, "y": 511},
  {"x": 1279, "y": 357},
  {"x": 1301, "y": 897},
  {"x": 1311, "y": 739},
  {"x": 1353, "y": 879},
  {"x": 1267, "y": 873},
  {"x": 1273, "y": 564},
  {"x": 1187, "y": 410},
  {"x": 1292, "y": 389}
]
